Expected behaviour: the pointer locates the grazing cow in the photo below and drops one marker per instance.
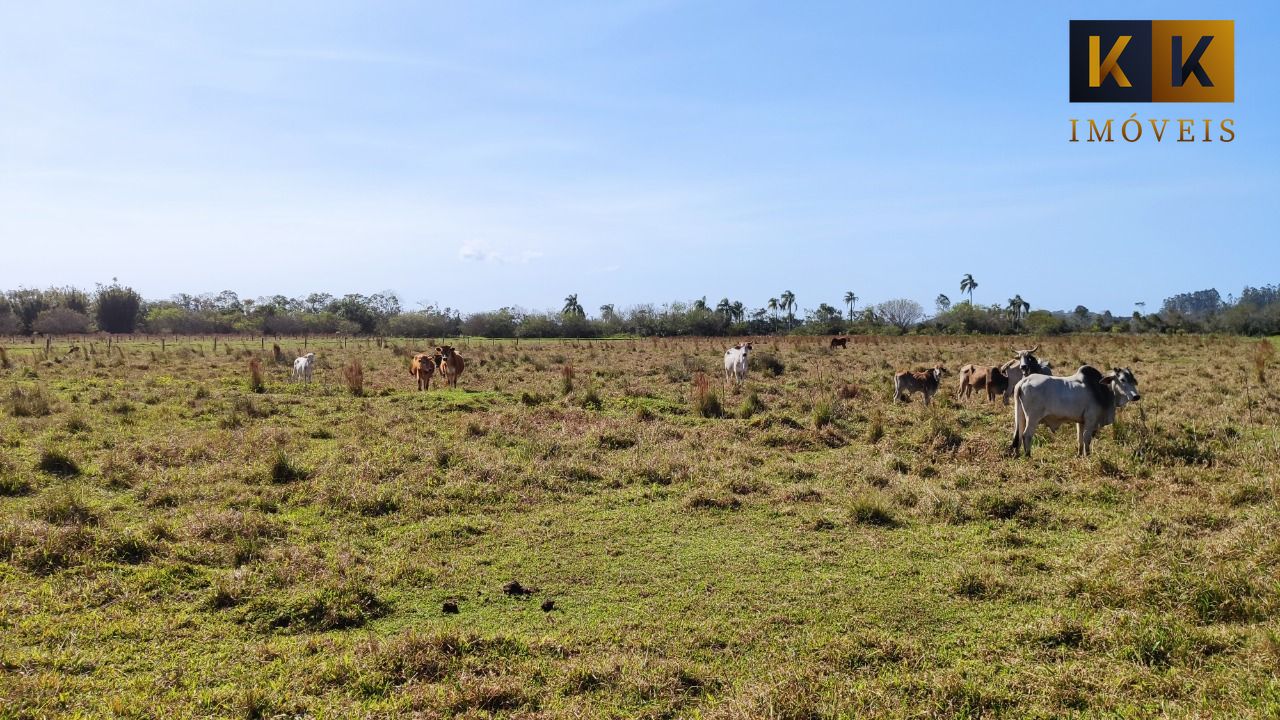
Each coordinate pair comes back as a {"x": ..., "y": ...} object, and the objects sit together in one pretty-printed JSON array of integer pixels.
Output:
[
  {"x": 735, "y": 363},
  {"x": 972, "y": 378},
  {"x": 423, "y": 367},
  {"x": 1089, "y": 399},
  {"x": 450, "y": 363},
  {"x": 839, "y": 342},
  {"x": 925, "y": 382},
  {"x": 303, "y": 367}
]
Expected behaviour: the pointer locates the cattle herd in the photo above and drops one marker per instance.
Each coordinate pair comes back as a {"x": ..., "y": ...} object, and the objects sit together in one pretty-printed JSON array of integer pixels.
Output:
[{"x": 1088, "y": 398}]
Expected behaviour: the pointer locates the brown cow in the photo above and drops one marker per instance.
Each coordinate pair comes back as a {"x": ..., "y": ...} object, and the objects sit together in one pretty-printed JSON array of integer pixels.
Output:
[
  {"x": 925, "y": 382},
  {"x": 839, "y": 342},
  {"x": 972, "y": 377},
  {"x": 451, "y": 364},
  {"x": 423, "y": 367}
]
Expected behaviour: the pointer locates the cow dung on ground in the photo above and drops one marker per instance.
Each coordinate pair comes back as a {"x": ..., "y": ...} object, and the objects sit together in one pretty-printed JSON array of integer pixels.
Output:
[{"x": 515, "y": 589}]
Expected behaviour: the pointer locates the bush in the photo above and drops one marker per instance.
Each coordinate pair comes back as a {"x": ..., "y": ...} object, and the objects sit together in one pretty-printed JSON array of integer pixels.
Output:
[
  {"x": 256, "y": 383},
  {"x": 55, "y": 462},
  {"x": 29, "y": 402},
  {"x": 763, "y": 361},
  {"x": 870, "y": 511},
  {"x": 751, "y": 405},
  {"x": 285, "y": 470},
  {"x": 61, "y": 321},
  {"x": 705, "y": 400},
  {"x": 353, "y": 377}
]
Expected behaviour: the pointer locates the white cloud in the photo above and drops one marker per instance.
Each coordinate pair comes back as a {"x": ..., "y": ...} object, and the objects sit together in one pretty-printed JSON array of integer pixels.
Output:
[{"x": 470, "y": 252}]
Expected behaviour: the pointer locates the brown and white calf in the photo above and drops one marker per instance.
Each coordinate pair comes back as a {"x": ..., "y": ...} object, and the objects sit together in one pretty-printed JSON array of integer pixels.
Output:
[
  {"x": 423, "y": 367},
  {"x": 924, "y": 382}
]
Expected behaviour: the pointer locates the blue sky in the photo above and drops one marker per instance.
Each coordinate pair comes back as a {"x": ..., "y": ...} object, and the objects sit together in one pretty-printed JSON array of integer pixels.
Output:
[{"x": 483, "y": 154}]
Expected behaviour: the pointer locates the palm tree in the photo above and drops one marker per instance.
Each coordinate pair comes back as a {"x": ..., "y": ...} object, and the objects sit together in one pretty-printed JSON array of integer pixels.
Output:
[
  {"x": 789, "y": 304},
  {"x": 572, "y": 307},
  {"x": 739, "y": 311},
  {"x": 725, "y": 308},
  {"x": 773, "y": 306},
  {"x": 700, "y": 303},
  {"x": 606, "y": 311},
  {"x": 968, "y": 285},
  {"x": 850, "y": 299}
]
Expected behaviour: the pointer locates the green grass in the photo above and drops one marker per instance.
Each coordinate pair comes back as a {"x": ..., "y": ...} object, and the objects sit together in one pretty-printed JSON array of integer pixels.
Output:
[{"x": 811, "y": 550}]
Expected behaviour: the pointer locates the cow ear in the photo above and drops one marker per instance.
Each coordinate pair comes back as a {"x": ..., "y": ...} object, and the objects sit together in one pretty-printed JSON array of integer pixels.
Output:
[{"x": 1108, "y": 379}]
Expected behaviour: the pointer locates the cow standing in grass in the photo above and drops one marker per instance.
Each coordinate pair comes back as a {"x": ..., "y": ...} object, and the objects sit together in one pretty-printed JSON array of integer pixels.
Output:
[
  {"x": 1089, "y": 399},
  {"x": 924, "y": 382},
  {"x": 450, "y": 363},
  {"x": 735, "y": 363},
  {"x": 839, "y": 342},
  {"x": 303, "y": 367},
  {"x": 423, "y": 367}
]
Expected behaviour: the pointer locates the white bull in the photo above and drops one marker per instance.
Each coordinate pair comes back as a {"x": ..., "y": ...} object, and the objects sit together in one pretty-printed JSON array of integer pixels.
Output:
[
  {"x": 735, "y": 362},
  {"x": 1089, "y": 399}
]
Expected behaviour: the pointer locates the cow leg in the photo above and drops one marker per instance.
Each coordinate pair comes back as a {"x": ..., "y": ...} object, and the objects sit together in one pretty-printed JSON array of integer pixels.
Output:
[
  {"x": 1080, "y": 440},
  {"x": 1086, "y": 442}
]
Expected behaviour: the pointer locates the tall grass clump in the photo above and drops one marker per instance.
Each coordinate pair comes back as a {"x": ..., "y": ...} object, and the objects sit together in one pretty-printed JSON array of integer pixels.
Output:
[
  {"x": 353, "y": 377},
  {"x": 285, "y": 470},
  {"x": 29, "y": 402},
  {"x": 1263, "y": 352},
  {"x": 751, "y": 405},
  {"x": 56, "y": 462},
  {"x": 705, "y": 400},
  {"x": 763, "y": 361},
  {"x": 566, "y": 378},
  {"x": 256, "y": 383},
  {"x": 276, "y": 353},
  {"x": 4, "y": 360}
]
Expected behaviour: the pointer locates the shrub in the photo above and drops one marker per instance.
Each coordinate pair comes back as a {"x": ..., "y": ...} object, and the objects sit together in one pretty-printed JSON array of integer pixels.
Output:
[
  {"x": 868, "y": 510},
  {"x": 1263, "y": 352},
  {"x": 256, "y": 383},
  {"x": 29, "y": 402},
  {"x": 64, "y": 507},
  {"x": 824, "y": 413},
  {"x": 591, "y": 399},
  {"x": 751, "y": 405},
  {"x": 56, "y": 462},
  {"x": 61, "y": 321},
  {"x": 285, "y": 470},
  {"x": 765, "y": 362},
  {"x": 353, "y": 377},
  {"x": 705, "y": 400}
]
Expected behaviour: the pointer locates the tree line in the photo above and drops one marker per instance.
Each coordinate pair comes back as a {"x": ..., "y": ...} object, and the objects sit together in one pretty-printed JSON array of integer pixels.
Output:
[{"x": 116, "y": 308}]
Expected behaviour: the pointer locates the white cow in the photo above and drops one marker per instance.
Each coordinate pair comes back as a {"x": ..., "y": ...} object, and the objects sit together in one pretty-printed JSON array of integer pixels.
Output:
[
  {"x": 1089, "y": 399},
  {"x": 735, "y": 362},
  {"x": 304, "y": 366}
]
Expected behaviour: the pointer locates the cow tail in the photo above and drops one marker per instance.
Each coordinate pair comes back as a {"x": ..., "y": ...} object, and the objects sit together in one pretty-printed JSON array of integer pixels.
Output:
[{"x": 1017, "y": 420}]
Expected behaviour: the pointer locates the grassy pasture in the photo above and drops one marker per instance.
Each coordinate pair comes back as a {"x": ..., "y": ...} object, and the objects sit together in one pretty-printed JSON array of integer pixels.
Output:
[{"x": 174, "y": 544}]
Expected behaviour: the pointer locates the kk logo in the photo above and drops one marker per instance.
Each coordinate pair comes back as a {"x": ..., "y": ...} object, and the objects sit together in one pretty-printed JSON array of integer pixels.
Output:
[{"x": 1152, "y": 60}]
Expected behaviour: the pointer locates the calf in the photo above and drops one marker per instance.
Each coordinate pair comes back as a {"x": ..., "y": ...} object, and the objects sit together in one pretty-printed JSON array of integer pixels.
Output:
[
  {"x": 450, "y": 363},
  {"x": 423, "y": 367},
  {"x": 1089, "y": 399},
  {"x": 839, "y": 342},
  {"x": 735, "y": 363},
  {"x": 303, "y": 367},
  {"x": 925, "y": 382}
]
